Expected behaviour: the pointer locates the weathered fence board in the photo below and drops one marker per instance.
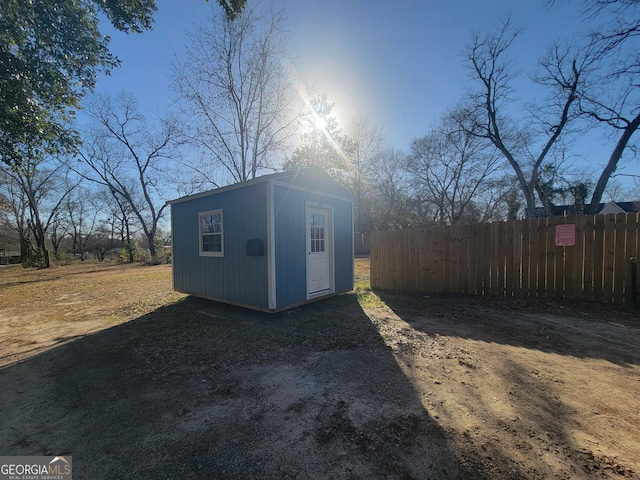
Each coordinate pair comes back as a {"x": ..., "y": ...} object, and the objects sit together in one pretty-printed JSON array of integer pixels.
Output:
[{"x": 512, "y": 258}]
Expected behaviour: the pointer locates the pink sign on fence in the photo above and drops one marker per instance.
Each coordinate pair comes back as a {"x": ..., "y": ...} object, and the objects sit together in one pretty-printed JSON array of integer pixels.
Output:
[{"x": 565, "y": 235}]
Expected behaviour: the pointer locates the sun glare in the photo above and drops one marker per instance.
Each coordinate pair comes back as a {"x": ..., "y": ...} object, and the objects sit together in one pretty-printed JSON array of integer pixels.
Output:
[{"x": 319, "y": 122}]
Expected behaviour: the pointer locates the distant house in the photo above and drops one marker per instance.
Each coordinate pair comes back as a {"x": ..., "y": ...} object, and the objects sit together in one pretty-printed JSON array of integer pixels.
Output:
[
  {"x": 603, "y": 209},
  {"x": 8, "y": 257},
  {"x": 269, "y": 244},
  {"x": 620, "y": 207}
]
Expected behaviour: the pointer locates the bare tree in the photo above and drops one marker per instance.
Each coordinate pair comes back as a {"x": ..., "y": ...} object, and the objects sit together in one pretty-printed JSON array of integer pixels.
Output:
[
  {"x": 120, "y": 220},
  {"x": 128, "y": 158},
  {"x": 236, "y": 89},
  {"x": 82, "y": 214},
  {"x": 526, "y": 144},
  {"x": 456, "y": 171},
  {"x": 8, "y": 234},
  {"x": 39, "y": 194},
  {"x": 613, "y": 98},
  {"x": 617, "y": 191},
  {"x": 363, "y": 147},
  {"x": 15, "y": 213},
  {"x": 100, "y": 242},
  {"x": 391, "y": 183},
  {"x": 58, "y": 230}
]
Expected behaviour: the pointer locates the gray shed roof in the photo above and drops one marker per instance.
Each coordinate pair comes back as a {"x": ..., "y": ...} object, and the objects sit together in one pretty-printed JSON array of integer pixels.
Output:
[{"x": 288, "y": 177}]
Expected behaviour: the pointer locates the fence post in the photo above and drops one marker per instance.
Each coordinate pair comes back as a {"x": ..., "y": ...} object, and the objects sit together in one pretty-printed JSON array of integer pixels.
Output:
[{"x": 634, "y": 281}]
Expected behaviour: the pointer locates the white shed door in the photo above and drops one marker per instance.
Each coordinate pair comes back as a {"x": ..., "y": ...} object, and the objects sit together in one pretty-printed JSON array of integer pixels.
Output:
[{"x": 319, "y": 254}]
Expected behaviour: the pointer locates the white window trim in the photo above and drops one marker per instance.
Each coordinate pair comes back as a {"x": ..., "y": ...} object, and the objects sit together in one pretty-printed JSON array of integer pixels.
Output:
[{"x": 211, "y": 212}]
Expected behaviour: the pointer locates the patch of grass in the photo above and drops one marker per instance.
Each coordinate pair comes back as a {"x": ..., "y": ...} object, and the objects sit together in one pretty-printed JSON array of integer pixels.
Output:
[
  {"x": 82, "y": 297},
  {"x": 365, "y": 295},
  {"x": 362, "y": 276},
  {"x": 370, "y": 300}
]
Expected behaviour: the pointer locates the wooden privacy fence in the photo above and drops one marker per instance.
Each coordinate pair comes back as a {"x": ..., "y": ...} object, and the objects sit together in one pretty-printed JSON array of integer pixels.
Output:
[{"x": 519, "y": 258}]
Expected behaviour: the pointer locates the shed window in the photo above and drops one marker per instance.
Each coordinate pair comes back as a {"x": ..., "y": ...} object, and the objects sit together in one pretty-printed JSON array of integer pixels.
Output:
[
  {"x": 317, "y": 232},
  {"x": 211, "y": 234}
]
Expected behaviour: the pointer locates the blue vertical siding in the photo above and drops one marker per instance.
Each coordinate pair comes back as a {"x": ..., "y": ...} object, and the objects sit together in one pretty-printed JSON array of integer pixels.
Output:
[
  {"x": 290, "y": 246},
  {"x": 343, "y": 241},
  {"x": 236, "y": 277},
  {"x": 290, "y": 243},
  {"x": 241, "y": 279}
]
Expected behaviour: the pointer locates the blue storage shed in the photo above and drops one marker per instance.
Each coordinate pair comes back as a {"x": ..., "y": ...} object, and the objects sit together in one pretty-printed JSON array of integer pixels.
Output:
[{"x": 271, "y": 243}]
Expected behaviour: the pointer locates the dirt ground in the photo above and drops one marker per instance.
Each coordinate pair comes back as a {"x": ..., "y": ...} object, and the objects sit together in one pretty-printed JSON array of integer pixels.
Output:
[{"x": 106, "y": 364}]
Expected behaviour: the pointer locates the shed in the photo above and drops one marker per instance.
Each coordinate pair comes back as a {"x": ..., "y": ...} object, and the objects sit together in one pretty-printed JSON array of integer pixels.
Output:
[{"x": 270, "y": 243}]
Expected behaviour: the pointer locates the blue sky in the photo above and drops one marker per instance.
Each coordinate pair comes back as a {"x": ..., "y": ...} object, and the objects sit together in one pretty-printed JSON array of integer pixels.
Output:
[{"x": 398, "y": 62}]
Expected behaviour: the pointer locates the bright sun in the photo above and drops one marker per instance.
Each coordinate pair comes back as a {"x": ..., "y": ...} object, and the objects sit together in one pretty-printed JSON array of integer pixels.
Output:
[{"x": 319, "y": 122}]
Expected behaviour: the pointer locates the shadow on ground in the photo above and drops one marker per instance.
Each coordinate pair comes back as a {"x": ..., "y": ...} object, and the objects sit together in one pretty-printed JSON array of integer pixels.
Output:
[
  {"x": 581, "y": 330},
  {"x": 550, "y": 388},
  {"x": 178, "y": 394}
]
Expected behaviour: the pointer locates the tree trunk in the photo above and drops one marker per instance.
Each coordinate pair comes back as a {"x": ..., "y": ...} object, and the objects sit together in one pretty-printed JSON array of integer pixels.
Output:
[
  {"x": 56, "y": 249},
  {"x": 152, "y": 245},
  {"x": 45, "y": 257},
  {"x": 612, "y": 164},
  {"x": 128, "y": 244},
  {"x": 25, "y": 248},
  {"x": 41, "y": 244}
]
